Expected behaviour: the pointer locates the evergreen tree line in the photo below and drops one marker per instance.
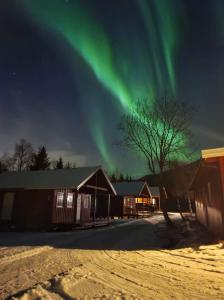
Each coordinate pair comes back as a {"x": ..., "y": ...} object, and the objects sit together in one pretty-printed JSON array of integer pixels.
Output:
[
  {"x": 25, "y": 158},
  {"x": 118, "y": 177}
]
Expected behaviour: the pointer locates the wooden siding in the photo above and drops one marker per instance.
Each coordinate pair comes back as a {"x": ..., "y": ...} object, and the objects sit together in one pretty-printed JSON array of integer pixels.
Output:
[
  {"x": 31, "y": 209},
  {"x": 116, "y": 206},
  {"x": 37, "y": 208},
  {"x": 102, "y": 206},
  {"x": 145, "y": 192},
  {"x": 98, "y": 180},
  {"x": 130, "y": 206},
  {"x": 208, "y": 191},
  {"x": 85, "y": 210},
  {"x": 64, "y": 215}
]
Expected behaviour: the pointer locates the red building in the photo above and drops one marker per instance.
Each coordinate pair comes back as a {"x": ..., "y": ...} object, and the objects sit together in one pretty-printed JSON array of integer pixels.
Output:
[
  {"x": 42, "y": 199},
  {"x": 133, "y": 199},
  {"x": 208, "y": 187}
]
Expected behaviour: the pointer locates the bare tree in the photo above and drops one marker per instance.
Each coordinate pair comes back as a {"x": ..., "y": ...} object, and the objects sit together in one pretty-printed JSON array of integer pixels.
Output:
[
  {"x": 160, "y": 132},
  {"x": 23, "y": 155},
  {"x": 8, "y": 162}
]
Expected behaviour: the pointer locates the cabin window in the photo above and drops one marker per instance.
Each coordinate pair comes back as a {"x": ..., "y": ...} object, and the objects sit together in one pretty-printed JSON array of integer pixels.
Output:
[
  {"x": 60, "y": 198},
  {"x": 69, "y": 200},
  {"x": 129, "y": 202}
]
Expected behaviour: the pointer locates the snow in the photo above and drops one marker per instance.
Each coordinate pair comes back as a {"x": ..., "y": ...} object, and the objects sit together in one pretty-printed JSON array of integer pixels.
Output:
[{"x": 129, "y": 260}]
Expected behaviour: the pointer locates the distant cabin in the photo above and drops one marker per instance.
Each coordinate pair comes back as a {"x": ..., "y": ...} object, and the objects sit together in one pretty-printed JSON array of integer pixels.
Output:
[
  {"x": 208, "y": 189},
  {"x": 42, "y": 199},
  {"x": 155, "y": 194},
  {"x": 133, "y": 199}
]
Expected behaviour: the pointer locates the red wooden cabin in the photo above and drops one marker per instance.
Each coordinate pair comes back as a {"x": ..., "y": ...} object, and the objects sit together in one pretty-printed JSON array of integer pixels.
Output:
[
  {"x": 208, "y": 187},
  {"x": 42, "y": 199},
  {"x": 133, "y": 199}
]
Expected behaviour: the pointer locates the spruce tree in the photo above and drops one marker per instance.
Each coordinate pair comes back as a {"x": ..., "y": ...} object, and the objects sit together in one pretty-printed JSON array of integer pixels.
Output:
[
  {"x": 41, "y": 160},
  {"x": 59, "y": 163}
]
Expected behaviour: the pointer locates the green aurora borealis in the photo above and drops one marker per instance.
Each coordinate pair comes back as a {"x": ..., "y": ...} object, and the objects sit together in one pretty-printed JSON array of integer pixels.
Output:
[{"x": 128, "y": 78}]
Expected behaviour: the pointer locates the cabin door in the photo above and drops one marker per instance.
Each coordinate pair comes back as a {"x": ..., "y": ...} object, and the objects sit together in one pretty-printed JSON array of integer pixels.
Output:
[
  {"x": 7, "y": 206},
  {"x": 78, "y": 208}
]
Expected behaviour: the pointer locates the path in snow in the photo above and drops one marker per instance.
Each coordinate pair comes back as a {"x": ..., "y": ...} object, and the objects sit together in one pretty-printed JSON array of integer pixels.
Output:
[{"x": 127, "y": 261}]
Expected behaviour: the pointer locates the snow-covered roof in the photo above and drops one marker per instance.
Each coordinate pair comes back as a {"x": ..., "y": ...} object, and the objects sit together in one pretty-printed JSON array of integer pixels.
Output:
[
  {"x": 131, "y": 188},
  {"x": 49, "y": 179},
  {"x": 154, "y": 190}
]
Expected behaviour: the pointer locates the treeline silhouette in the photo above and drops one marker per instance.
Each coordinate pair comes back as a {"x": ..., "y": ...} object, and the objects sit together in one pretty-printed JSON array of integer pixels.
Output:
[{"x": 25, "y": 158}]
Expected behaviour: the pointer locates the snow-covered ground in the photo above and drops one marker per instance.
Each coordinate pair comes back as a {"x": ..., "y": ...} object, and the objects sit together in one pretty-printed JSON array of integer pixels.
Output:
[{"x": 129, "y": 260}]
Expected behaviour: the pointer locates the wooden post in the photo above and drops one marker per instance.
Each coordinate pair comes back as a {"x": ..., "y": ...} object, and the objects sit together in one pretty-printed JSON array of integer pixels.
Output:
[{"x": 108, "y": 207}]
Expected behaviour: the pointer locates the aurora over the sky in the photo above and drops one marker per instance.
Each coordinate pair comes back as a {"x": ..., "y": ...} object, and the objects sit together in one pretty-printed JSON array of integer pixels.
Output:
[{"x": 71, "y": 68}]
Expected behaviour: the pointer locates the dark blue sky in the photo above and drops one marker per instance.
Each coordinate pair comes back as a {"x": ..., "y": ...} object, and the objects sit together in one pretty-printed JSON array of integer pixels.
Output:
[{"x": 50, "y": 95}]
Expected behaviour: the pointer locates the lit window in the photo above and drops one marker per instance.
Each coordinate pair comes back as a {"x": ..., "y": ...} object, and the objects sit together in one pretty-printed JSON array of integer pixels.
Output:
[
  {"x": 69, "y": 200},
  {"x": 60, "y": 198}
]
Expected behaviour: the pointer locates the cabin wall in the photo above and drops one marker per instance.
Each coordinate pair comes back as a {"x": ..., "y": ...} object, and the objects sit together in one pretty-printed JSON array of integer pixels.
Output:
[
  {"x": 201, "y": 212},
  {"x": 64, "y": 214},
  {"x": 116, "y": 206},
  {"x": 145, "y": 192},
  {"x": 210, "y": 217},
  {"x": 221, "y": 166},
  {"x": 215, "y": 222},
  {"x": 99, "y": 181},
  {"x": 209, "y": 201},
  {"x": 85, "y": 207},
  {"x": 130, "y": 206},
  {"x": 31, "y": 208},
  {"x": 102, "y": 206}
]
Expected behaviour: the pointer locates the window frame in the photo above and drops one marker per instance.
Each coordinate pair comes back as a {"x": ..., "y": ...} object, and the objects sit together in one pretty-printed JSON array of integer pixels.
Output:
[
  {"x": 69, "y": 204},
  {"x": 58, "y": 196}
]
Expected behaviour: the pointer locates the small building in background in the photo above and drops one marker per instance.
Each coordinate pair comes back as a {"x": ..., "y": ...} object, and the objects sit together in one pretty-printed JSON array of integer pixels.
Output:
[
  {"x": 133, "y": 199},
  {"x": 42, "y": 199},
  {"x": 177, "y": 182},
  {"x": 208, "y": 188},
  {"x": 155, "y": 194}
]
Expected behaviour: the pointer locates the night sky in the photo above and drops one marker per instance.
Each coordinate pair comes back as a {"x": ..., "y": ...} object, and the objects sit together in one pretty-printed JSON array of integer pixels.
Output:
[{"x": 70, "y": 69}]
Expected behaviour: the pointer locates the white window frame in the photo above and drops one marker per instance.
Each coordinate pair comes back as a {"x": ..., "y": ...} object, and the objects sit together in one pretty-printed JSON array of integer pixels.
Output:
[
  {"x": 69, "y": 201},
  {"x": 60, "y": 197}
]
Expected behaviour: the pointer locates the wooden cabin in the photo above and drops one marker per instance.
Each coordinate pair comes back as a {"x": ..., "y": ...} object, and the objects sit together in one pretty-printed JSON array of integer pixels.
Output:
[
  {"x": 208, "y": 188},
  {"x": 133, "y": 199},
  {"x": 177, "y": 182},
  {"x": 155, "y": 194},
  {"x": 42, "y": 199}
]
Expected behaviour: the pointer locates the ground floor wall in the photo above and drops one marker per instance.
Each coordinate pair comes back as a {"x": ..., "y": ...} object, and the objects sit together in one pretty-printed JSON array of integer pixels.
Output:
[
  {"x": 210, "y": 217},
  {"x": 116, "y": 206},
  {"x": 28, "y": 209},
  {"x": 130, "y": 206},
  {"x": 64, "y": 206},
  {"x": 44, "y": 209}
]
